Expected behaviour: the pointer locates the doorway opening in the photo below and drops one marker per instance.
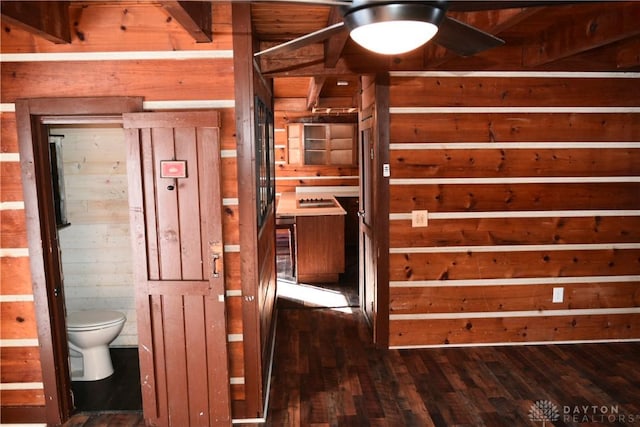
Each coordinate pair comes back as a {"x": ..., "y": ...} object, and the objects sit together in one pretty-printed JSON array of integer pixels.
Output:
[{"x": 89, "y": 182}]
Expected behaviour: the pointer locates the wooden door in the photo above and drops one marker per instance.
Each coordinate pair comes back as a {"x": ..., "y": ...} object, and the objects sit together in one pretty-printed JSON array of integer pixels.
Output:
[
  {"x": 176, "y": 226},
  {"x": 367, "y": 276}
]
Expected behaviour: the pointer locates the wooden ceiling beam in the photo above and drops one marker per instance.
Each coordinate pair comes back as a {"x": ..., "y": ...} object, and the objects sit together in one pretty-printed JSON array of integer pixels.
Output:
[
  {"x": 620, "y": 56},
  {"x": 334, "y": 45},
  {"x": 194, "y": 16},
  {"x": 47, "y": 19},
  {"x": 313, "y": 93},
  {"x": 588, "y": 27}
]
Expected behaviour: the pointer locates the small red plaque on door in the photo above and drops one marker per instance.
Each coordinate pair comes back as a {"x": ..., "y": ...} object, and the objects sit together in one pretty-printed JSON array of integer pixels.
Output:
[{"x": 173, "y": 169}]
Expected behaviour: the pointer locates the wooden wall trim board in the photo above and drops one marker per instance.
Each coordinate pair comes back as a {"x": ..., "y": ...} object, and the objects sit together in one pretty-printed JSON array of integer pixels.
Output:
[
  {"x": 519, "y": 74},
  {"x": 206, "y": 104},
  {"x": 520, "y": 214},
  {"x": 518, "y": 180},
  {"x": 510, "y": 145},
  {"x": 117, "y": 56},
  {"x": 11, "y": 206},
  {"x": 19, "y": 342},
  {"x": 503, "y": 344},
  {"x": 515, "y": 248},
  {"x": 14, "y": 252},
  {"x": 511, "y": 110},
  {"x": 522, "y": 281},
  {"x": 506, "y": 314},
  {"x": 315, "y": 177},
  {"x": 16, "y": 298}
]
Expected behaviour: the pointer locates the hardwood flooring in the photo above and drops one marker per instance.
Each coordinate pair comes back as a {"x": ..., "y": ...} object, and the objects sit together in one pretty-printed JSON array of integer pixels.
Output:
[{"x": 328, "y": 373}]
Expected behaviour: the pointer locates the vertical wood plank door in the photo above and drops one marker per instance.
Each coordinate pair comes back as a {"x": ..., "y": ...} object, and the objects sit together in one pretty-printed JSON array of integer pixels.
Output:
[
  {"x": 367, "y": 277},
  {"x": 176, "y": 228}
]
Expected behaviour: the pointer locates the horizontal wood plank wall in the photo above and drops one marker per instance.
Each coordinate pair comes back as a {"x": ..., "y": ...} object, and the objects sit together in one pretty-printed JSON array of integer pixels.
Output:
[
  {"x": 128, "y": 39},
  {"x": 290, "y": 176},
  {"x": 531, "y": 183},
  {"x": 20, "y": 370}
]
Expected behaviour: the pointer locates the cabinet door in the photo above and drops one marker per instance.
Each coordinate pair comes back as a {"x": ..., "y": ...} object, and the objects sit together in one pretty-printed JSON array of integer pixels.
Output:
[
  {"x": 294, "y": 142},
  {"x": 341, "y": 141},
  {"x": 315, "y": 144}
]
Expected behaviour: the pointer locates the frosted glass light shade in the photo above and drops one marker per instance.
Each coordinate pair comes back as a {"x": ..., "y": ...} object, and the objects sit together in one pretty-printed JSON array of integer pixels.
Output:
[
  {"x": 394, "y": 37},
  {"x": 393, "y": 26}
]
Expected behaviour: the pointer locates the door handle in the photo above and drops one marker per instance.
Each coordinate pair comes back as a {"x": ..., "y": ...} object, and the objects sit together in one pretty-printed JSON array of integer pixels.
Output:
[
  {"x": 214, "y": 265},
  {"x": 215, "y": 249},
  {"x": 360, "y": 214}
]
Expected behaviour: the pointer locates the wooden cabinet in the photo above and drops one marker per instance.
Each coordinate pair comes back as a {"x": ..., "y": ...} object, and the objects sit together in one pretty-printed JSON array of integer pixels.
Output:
[
  {"x": 320, "y": 248},
  {"x": 322, "y": 143},
  {"x": 319, "y": 237}
]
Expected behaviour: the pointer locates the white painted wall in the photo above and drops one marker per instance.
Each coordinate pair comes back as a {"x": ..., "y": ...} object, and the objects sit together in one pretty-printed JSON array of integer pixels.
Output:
[{"x": 96, "y": 248}]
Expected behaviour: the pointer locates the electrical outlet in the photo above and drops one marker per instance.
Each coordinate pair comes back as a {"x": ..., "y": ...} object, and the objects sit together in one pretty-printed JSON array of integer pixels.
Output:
[
  {"x": 419, "y": 218},
  {"x": 558, "y": 295}
]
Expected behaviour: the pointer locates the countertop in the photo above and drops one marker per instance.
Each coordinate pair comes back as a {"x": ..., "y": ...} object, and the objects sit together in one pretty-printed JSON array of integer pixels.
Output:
[{"x": 288, "y": 206}]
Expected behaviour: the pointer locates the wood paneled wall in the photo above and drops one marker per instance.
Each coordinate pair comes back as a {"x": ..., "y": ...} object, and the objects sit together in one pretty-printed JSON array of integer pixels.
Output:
[
  {"x": 20, "y": 360},
  {"x": 96, "y": 245},
  {"x": 531, "y": 182},
  {"x": 131, "y": 35}
]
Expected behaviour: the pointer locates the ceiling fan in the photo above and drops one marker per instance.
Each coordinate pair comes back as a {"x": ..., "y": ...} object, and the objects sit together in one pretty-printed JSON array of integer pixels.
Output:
[{"x": 398, "y": 26}]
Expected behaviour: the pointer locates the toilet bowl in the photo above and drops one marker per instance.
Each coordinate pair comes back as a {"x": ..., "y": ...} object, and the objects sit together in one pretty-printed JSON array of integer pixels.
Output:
[{"x": 89, "y": 334}]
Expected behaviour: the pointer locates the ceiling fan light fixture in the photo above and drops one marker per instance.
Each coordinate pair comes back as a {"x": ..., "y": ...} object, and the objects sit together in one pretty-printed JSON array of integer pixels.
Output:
[
  {"x": 394, "y": 37},
  {"x": 393, "y": 28}
]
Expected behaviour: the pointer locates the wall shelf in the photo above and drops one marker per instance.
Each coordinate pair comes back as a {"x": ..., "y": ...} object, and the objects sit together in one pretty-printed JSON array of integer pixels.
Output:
[{"x": 322, "y": 143}]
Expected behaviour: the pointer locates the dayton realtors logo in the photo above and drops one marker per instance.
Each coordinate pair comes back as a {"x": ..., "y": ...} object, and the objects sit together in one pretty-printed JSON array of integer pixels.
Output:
[
  {"x": 597, "y": 414},
  {"x": 546, "y": 411}
]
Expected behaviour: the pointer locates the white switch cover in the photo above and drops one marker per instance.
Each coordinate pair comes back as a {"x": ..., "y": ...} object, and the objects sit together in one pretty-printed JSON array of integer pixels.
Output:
[
  {"x": 386, "y": 170},
  {"x": 558, "y": 295},
  {"x": 419, "y": 218}
]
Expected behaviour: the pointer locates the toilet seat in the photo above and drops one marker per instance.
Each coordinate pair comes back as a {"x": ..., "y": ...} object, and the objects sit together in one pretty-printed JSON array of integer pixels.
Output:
[{"x": 88, "y": 320}]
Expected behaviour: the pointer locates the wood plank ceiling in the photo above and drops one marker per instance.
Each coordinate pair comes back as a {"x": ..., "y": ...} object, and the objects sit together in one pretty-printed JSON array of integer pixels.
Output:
[
  {"x": 585, "y": 36},
  {"x": 582, "y": 36}
]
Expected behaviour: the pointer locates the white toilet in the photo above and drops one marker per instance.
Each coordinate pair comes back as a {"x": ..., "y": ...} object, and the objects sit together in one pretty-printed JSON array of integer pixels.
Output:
[{"x": 89, "y": 334}]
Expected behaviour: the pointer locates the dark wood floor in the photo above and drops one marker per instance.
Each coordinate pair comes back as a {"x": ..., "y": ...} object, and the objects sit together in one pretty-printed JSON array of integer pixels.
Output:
[
  {"x": 119, "y": 392},
  {"x": 328, "y": 373}
]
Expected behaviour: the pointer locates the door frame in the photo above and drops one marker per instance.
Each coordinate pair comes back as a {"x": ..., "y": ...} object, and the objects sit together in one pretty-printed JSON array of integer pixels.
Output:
[
  {"x": 32, "y": 117},
  {"x": 382, "y": 204},
  {"x": 379, "y": 115}
]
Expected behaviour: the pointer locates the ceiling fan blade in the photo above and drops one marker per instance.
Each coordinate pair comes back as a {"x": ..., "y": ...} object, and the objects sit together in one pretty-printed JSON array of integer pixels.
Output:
[
  {"x": 464, "y": 39},
  {"x": 307, "y": 39},
  {"x": 474, "y": 6}
]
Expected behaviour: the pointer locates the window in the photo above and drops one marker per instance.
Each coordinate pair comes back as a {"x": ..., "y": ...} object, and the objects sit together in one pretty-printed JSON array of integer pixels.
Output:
[
  {"x": 57, "y": 179},
  {"x": 265, "y": 160}
]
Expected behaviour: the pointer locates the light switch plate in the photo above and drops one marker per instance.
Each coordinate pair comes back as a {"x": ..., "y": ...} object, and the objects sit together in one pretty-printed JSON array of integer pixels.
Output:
[
  {"x": 419, "y": 218},
  {"x": 558, "y": 295}
]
